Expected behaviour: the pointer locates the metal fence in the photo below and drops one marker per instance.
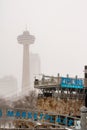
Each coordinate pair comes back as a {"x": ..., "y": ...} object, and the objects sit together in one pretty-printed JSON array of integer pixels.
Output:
[{"x": 32, "y": 129}]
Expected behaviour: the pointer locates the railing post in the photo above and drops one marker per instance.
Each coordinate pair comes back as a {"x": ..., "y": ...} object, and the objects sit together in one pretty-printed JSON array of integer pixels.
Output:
[{"x": 84, "y": 118}]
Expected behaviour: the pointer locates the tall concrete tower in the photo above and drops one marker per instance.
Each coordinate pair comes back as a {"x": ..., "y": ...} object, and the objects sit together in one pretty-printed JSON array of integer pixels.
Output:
[{"x": 25, "y": 39}]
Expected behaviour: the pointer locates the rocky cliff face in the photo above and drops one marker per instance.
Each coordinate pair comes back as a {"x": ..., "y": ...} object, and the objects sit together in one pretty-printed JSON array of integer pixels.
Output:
[{"x": 61, "y": 106}]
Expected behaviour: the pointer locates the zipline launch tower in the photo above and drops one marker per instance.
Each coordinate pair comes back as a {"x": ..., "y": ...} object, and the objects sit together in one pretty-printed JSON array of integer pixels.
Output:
[{"x": 25, "y": 39}]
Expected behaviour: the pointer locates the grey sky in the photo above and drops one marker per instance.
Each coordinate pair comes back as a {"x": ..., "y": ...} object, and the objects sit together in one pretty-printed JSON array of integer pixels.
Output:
[{"x": 60, "y": 28}]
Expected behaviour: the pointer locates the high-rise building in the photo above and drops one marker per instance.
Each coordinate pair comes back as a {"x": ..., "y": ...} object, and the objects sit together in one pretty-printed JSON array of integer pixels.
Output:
[
  {"x": 34, "y": 68},
  {"x": 8, "y": 86}
]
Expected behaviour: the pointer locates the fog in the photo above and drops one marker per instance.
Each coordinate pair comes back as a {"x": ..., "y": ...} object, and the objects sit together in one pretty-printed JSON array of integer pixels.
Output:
[{"x": 60, "y": 29}]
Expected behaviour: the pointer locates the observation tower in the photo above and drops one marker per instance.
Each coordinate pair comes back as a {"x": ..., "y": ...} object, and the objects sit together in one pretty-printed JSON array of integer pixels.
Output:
[{"x": 26, "y": 40}]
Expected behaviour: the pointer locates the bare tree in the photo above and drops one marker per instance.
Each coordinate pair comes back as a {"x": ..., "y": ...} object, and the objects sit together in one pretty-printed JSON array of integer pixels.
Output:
[
  {"x": 28, "y": 101},
  {"x": 4, "y": 104}
]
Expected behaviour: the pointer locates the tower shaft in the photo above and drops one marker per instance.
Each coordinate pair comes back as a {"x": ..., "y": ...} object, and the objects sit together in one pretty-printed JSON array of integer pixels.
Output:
[{"x": 25, "y": 73}]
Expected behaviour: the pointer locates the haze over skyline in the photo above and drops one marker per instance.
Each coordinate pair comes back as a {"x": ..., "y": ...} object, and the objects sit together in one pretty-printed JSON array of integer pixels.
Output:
[{"x": 60, "y": 29}]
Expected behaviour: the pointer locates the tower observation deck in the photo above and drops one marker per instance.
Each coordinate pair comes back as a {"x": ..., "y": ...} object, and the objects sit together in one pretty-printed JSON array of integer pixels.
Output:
[{"x": 26, "y": 40}]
